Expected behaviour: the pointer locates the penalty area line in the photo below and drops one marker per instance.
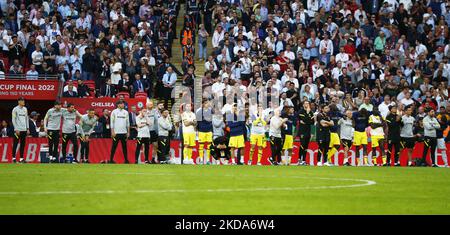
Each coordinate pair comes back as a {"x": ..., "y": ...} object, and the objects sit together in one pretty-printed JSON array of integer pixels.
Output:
[{"x": 363, "y": 183}]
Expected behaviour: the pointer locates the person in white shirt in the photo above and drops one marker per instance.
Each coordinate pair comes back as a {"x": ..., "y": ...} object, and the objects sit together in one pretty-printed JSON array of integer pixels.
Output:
[
  {"x": 407, "y": 100},
  {"x": 313, "y": 87},
  {"x": 326, "y": 44},
  {"x": 407, "y": 4},
  {"x": 143, "y": 136},
  {"x": 337, "y": 71},
  {"x": 383, "y": 108},
  {"x": 218, "y": 36},
  {"x": 169, "y": 80},
  {"x": 218, "y": 86},
  {"x": 420, "y": 48},
  {"x": 32, "y": 74},
  {"x": 276, "y": 141},
  {"x": 164, "y": 127},
  {"x": 342, "y": 57},
  {"x": 238, "y": 48},
  {"x": 120, "y": 130},
  {"x": 288, "y": 53}
]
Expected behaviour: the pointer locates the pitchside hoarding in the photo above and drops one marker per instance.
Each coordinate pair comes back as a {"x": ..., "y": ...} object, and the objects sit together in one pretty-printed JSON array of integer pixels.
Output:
[
  {"x": 100, "y": 151},
  {"x": 29, "y": 89},
  {"x": 98, "y": 104}
]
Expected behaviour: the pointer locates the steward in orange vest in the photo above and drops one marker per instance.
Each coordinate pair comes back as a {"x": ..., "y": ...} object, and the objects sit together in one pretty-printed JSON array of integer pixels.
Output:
[{"x": 187, "y": 36}]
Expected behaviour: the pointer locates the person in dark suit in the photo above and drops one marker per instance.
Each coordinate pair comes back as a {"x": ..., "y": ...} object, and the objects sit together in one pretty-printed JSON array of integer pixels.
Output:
[
  {"x": 125, "y": 83},
  {"x": 33, "y": 127},
  {"x": 82, "y": 89},
  {"x": 70, "y": 93},
  {"x": 139, "y": 85},
  {"x": 133, "y": 125},
  {"x": 108, "y": 90},
  {"x": 104, "y": 122}
]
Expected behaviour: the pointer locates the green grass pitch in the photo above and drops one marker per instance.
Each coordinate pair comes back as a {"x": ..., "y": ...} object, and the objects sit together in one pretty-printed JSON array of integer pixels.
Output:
[{"x": 187, "y": 189}]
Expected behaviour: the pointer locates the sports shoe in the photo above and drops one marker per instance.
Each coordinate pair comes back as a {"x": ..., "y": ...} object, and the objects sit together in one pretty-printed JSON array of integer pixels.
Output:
[
  {"x": 112, "y": 162},
  {"x": 14, "y": 160},
  {"x": 249, "y": 162},
  {"x": 434, "y": 165},
  {"x": 319, "y": 164},
  {"x": 397, "y": 164},
  {"x": 328, "y": 164},
  {"x": 22, "y": 160},
  {"x": 259, "y": 164},
  {"x": 347, "y": 164}
]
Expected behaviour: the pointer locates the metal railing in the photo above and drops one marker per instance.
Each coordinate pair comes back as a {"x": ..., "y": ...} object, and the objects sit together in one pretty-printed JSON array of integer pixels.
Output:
[{"x": 24, "y": 76}]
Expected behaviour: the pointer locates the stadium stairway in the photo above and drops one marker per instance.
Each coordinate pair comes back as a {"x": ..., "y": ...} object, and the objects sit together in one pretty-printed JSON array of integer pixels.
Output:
[{"x": 177, "y": 59}]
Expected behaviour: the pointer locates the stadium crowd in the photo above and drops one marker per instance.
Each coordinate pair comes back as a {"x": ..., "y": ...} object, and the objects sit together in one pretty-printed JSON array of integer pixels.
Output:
[{"x": 368, "y": 65}]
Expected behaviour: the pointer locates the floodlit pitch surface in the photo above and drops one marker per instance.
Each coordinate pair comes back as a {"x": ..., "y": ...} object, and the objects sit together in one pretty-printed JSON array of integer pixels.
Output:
[{"x": 183, "y": 189}]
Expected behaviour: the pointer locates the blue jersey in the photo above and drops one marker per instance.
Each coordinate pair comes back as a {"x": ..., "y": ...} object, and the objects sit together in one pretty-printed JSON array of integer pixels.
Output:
[
  {"x": 289, "y": 125},
  {"x": 205, "y": 120},
  {"x": 361, "y": 122},
  {"x": 237, "y": 128},
  {"x": 335, "y": 117}
]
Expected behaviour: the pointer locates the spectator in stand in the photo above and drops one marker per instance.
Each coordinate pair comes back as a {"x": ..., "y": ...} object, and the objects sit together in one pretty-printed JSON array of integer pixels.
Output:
[
  {"x": 32, "y": 74},
  {"x": 82, "y": 89},
  {"x": 108, "y": 90},
  {"x": 33, "y": 124},
  {"x": 70, "y": 93}
]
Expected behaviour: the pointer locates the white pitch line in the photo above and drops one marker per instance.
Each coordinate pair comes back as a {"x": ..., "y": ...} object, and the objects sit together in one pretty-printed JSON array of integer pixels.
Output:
[{"x": 365, "y": 183}]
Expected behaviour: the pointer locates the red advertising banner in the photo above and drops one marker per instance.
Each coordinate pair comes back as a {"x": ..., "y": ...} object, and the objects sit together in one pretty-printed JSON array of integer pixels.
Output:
[
  {"x": 29, "y": 89},
  {"x": 98, "y": 104},
  {"x": 100, "y": 150}
]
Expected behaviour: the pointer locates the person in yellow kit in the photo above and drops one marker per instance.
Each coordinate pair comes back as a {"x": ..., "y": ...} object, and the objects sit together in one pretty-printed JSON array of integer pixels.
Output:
[
  {"x": 335, "y": 142},
  {"x": 188, "y": 124},
  {"x": 287, "y": 133},
  {"x": 361, "y": 120},
  {"x": 376, "y": 123},
  {"x": 236, "y": 123},
  {"x": 257, "y": 135},
  {"x": 205, "y": 128}
]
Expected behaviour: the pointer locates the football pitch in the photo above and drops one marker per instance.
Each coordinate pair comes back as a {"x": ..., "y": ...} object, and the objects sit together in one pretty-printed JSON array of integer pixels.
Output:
[{"x": 188, "y": 189}]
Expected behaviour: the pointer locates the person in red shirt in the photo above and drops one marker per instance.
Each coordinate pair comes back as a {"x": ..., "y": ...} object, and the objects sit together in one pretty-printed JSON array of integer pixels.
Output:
[
  {"x": 283, "y": 61},
  {"x": 429, "y": 103},
  {"x": 350, "y": 48}
]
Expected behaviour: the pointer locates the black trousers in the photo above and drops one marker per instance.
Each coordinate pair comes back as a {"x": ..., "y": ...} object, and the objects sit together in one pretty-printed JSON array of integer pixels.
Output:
[
  {"x": 123, "y": 140},
  {"x": 21, "y": 137},
  {"x": 276, "y": 147},
  {"x": 324, "y": 146},
  {"x": 396, "y": 146},
  {"x": 65, "y": 140},
  {"x": 429, "y": 143},
  {"x": 208, "y": 22},
  {"x": 304, "y": 143},
  {"x": 53, "y": 143},
  {"x": 163, "y": 148},
  {"x": 142, "y": 141},
  {"x": 84, "y": 150}
]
